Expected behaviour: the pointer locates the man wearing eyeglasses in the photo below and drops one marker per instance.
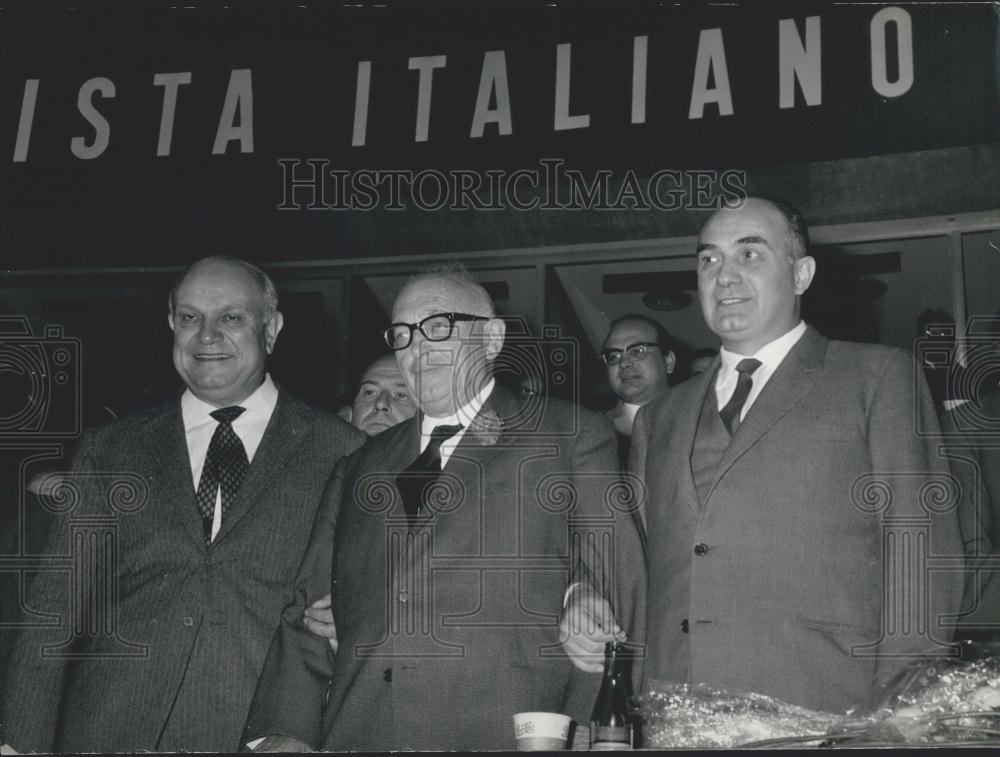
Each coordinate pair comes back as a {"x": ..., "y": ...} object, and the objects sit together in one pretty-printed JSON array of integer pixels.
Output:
[
  {"x": 639, "y": 360},
  {"x": 453, "y": 537}
]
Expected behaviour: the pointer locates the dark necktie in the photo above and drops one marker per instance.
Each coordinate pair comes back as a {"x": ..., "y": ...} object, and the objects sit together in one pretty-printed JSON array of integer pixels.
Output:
[
  {"x": 225, "y": 464},
  {"x": 731, "y": 412},
  {"x": 421, "y": 474}
]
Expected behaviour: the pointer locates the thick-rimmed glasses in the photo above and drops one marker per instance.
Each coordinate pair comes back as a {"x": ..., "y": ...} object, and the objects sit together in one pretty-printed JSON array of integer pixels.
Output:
[
  {"x": 636, "y": 352},
  {"x": 435, "y": 328}
]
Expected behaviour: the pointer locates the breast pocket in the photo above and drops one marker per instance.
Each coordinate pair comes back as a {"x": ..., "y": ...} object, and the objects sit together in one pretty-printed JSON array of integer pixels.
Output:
[{"x": 841, "y": 635}]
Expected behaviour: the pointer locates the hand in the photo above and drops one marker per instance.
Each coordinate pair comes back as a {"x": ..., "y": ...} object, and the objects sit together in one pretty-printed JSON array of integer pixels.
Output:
[
  {"x": 587, "y": 624},
  {"x": 318, "y": 618},
  {"x": 280, "y": 744}
]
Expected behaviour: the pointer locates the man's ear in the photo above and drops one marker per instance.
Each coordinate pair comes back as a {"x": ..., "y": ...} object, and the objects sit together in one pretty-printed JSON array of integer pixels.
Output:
[
  {"x": 272, "y": 328},
  {"x": 170, "y": 320},
  {"x": 670, "y": 361},
  {"x": 495, "y": 331},
  {"x": 803, "y": 269}
]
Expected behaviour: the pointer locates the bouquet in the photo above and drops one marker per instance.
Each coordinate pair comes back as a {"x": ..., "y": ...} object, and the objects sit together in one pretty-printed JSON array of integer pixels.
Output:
[{"x": 938, "y": 703}]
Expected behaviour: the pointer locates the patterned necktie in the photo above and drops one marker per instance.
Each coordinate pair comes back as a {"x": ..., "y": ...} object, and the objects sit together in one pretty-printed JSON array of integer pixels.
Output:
[
  {"x": 225, "y": 464},
  {"x": 421, "y": 474},
  {"x": 731, "y": 412}
]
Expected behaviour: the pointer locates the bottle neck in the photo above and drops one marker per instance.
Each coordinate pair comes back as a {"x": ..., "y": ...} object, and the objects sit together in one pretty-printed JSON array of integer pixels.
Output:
[
  {"x": 614, "y": 670},
  {"x": 616, "y": 665}
]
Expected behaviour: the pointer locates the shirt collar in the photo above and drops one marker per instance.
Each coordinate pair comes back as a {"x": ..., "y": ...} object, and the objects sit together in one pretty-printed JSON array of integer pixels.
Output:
[
  {"x": 770, "y": 355},
  {"x": 261, "y": 403},
  {"x": 465, "y": 414},
  {"x": 630, "y": 410}
]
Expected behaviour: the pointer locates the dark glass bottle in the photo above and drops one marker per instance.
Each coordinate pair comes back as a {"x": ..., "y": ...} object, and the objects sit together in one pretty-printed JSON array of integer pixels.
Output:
[{"x": 611, "y": 723}]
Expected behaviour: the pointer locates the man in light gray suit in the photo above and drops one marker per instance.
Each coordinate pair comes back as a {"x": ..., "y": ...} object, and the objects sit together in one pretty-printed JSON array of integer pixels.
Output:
[
  {"x": 190, "y": 520},
  {"x": 447, "y": 603},
  {"x": 781, "y": 483}
]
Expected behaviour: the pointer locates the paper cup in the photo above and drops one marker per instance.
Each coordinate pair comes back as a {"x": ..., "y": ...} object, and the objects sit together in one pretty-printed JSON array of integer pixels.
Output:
[{"x": 541, "y": 731}]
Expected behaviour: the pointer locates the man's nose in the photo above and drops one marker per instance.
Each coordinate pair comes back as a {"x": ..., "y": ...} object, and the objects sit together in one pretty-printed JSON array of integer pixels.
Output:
[
  {"x": 382, "y": 401},
  {"x": 626, "y": 360},
  {"x": 728, "y": 273},
  {"x": 416, "y": 339},
  {"x": 208, "y": 332},
  {"x": 420, "y": 348}
]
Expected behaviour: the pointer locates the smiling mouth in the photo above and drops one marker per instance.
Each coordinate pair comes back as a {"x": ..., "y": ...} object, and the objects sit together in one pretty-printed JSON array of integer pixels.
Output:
[
  {"x": 729, "y": 301},
  {"x": 212, "y": 357}
]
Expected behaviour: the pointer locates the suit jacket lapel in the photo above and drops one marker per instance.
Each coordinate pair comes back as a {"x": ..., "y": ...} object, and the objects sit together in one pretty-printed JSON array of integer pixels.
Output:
[
  {"x": 788, "y": 386},
  {"x": 284, "y": 433},
  {"x": 687, "y": 428},
  {"x": 481, "y": 442},
  {"x": 405, "y": 446},
  {"x": 403, "y": 449},
  {"x": 172, "y": 469},
  {"x": 492, "y": 422}
]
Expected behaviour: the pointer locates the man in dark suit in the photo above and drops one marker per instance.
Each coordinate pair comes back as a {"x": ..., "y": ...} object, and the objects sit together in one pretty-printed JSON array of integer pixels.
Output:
[
  {"x": 640, "y": 359},
  {"x": 186, "y": 525},
  {"x": 781, "y": 483},
  {"x": 452, "y": 538},
  {"x": 381, "y": 401}
]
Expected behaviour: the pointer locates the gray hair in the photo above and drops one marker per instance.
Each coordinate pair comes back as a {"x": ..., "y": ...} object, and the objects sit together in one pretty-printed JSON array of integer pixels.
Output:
[
  {"x": 269, "y": 293},
  {"x": 456, "y": 275}
]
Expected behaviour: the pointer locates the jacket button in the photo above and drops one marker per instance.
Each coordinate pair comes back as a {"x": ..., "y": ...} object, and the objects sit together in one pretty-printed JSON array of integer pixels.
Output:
[
  {"x": 700, "y": 549},
  {"x": 404, "y": 596},
  {"x": 684, "y": 625},
  {"x": 188, "y": 621},
  {"x": 387, "y": 675},
  {"x": 209, "y": 561}
]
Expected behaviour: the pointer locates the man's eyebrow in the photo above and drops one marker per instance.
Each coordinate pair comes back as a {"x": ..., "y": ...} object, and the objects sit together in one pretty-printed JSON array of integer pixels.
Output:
[
  {"x": 753, "y": 240},
  {"x": 224, "y": 307}
]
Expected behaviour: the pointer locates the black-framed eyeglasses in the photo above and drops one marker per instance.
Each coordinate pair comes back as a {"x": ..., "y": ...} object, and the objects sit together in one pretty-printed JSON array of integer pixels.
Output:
[
  {"x": 435, "y": 328},
  {"x": 636, "y": 352}
]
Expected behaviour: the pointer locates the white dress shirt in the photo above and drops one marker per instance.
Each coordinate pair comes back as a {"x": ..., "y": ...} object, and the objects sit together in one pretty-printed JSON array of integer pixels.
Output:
[
  {"x": 770, "y": 356},
  {"x": 463, "y": 418},
  {"x": 199, "y": 426},
  {"x": 630, "y": 411}
]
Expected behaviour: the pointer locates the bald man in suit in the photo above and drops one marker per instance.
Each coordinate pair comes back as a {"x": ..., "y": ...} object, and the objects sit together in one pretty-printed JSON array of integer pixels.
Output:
[
  {"x": 447, "y": 598},
  {"x": 157, "y": 644},
  {"x": 779, "y": 483}
]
